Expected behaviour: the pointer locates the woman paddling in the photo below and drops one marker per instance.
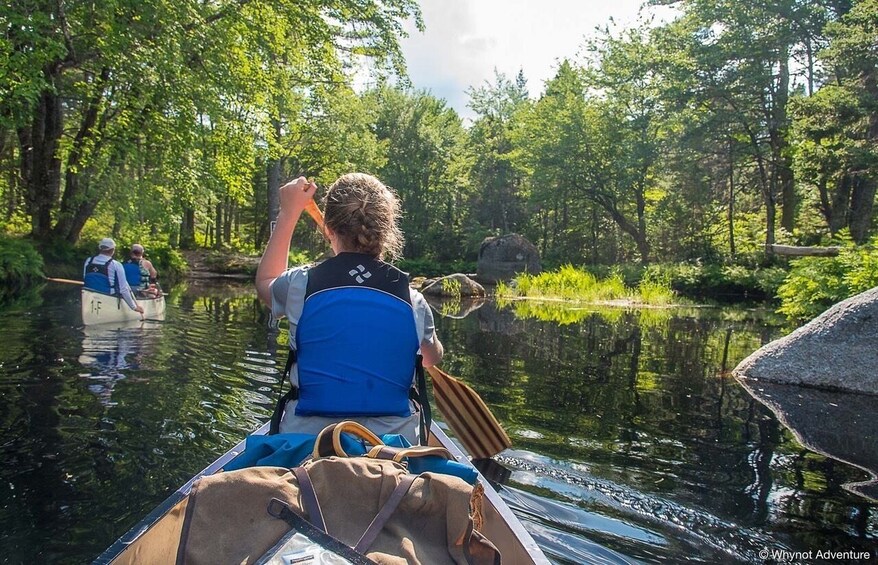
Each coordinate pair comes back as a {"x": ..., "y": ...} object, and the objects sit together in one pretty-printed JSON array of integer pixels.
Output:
[{"x": 356, "y": 326}]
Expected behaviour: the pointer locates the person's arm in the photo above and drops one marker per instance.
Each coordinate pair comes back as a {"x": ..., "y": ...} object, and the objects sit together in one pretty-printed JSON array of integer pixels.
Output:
[
  {"x": 294, "y": 196},
  {"x": 124, "y": 289},
  {"x": 153, "y": 274},
  {"x": 431, "y": 348},
  {"x": 432, "y": 351}
]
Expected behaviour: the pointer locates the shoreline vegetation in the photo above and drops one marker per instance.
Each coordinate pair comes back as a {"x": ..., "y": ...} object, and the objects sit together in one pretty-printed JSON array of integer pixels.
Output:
[
  {"x": 800, "y": 289},
  {"x": 577, "y": 286}
]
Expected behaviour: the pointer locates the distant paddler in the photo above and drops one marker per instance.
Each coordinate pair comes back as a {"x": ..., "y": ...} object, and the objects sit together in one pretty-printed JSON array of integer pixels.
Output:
[
  {"x": 103, "y": 274},
  {"x": 140, "y": 273}
]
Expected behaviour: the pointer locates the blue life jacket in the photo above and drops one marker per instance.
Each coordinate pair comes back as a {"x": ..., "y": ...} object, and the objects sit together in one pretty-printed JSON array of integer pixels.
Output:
[
  {"x": 356, "y": 340},
  {"x": 135, "y": 274},
  {"x": 97, "y": 277}
]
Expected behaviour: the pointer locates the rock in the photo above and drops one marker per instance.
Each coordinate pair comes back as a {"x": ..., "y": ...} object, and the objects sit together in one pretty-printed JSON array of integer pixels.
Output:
[
  {"x": 501, "y": 258},
  {"x": 840, "y": 425},
  {"x": 453, "y": 307},
  {"x": 456, "y": 286},
  {"x": 834, "y": 351}
]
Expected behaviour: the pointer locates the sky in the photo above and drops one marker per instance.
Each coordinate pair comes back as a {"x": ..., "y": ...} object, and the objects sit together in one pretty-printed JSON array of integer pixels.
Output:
[{"x": 466, "y": 40}]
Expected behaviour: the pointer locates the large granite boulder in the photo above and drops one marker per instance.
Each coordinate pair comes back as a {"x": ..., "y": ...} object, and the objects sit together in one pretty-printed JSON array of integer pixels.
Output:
[
  {"x": 501, "y": 258},
  {"x": 454, "y": 286},
  {"x": 837, "y": 350}
]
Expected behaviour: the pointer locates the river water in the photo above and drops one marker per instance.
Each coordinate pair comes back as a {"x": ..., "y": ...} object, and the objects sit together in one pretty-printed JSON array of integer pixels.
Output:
[{"x": 632, "y": 441}]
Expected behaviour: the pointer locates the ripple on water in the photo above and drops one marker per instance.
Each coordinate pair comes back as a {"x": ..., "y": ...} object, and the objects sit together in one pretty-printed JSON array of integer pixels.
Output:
[{"x": 617, "y": 516}]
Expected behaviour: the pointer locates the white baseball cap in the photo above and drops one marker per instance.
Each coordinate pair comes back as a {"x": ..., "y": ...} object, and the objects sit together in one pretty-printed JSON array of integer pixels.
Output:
[
  {"x": 107, "y": 243},
  {"x": 137, "y": 248}
]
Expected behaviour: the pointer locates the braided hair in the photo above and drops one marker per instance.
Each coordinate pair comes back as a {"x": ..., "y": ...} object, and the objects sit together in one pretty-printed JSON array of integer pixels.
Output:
[{"x": 364, "y": 215}]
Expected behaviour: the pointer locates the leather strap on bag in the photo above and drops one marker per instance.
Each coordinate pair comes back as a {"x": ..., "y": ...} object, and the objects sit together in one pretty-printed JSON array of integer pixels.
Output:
[
  {"x": 399, "y": 453},
  {"x": 279, "y": 509},
  {"x": 387, "y": 510},
  {"x": 309, "y": 498},
  {"x": 328, "y": 444}
]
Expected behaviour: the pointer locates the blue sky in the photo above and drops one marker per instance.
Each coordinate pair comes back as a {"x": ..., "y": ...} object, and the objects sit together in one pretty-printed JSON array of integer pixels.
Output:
[{"x": 466, "y": 40}]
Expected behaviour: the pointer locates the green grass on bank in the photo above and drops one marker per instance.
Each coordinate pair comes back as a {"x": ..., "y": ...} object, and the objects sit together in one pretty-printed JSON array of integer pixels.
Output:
[{"x": 574, "y": 284}]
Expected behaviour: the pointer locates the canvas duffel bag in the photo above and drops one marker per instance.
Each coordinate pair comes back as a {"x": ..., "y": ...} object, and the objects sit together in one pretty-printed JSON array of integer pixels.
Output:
[{"x": 373, "y": 505}]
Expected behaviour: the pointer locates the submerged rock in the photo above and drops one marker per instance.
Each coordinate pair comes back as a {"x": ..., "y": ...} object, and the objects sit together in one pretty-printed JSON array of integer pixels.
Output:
[
  {"x": 501, "y": 258},
  {"x": 837, "y": 350}
]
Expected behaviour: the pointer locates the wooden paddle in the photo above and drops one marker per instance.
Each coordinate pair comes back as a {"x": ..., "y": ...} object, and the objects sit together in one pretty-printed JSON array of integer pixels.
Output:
[
  {"x": 468, "y": 416},
  {"x": 465, "y": 412},
  {"x": 65, "y": 281}
]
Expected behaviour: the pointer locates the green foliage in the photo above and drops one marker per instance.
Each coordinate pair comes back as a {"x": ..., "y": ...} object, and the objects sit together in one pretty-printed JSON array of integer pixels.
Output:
[
  {"x": 675, "y": 142},
  {"x": 429, "y": 268},
  {"x": 20, "y": 262},
  {"x": 451, "y": 288},
  {"x": 720, "y": 282},
  {"x": 169, "y": 262},
  {"x": 816, "y": 283},
  {"x": 573, "y": 284}
]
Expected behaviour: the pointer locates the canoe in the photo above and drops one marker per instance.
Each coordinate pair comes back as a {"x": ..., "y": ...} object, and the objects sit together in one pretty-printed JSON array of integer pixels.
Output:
[
  {"x": 100, "y": 308},
  {"x": 155, "y": 539}
]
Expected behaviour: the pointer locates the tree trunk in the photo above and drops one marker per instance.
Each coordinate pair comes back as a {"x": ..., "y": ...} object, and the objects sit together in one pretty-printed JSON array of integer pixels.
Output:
[
  {"x": 40, "y": 166},
  {"x": 862, "y": 204},
  {"x": 731, "y": 212},
  {"x": 228, "y": 213},
  {"x": 219, "y": 228},
  {"x": 77, "y": 205},
  {"x": 840, "y": 206},
  {"x": 187, "y": 228},
  {"x": 275, "y": 172},
  {"x": 782, "y": 159}
]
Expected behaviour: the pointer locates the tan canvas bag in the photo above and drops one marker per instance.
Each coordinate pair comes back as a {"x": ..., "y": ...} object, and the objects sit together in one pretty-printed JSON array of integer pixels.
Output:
[{"x": 228, "y": 520}]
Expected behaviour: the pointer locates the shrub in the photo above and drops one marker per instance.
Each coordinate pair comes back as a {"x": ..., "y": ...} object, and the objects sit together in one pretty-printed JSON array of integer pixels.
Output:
[
  {"x": 20, "y": 262},
  {"x": 816, "y": 283}
]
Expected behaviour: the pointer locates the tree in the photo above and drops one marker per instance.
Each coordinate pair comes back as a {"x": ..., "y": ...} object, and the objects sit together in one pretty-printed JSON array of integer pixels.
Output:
[
  {"x": 425, "y": 149},
  {"x": 81, "y": 80},
  {"x": 740, "y": 54},
  {"x": 837, "y": 127},
  {"x": 499, "y": 201}
]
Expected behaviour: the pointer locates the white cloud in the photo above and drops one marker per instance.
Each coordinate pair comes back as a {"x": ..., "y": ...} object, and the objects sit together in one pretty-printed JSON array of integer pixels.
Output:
[{"x": 466, "y": 40}]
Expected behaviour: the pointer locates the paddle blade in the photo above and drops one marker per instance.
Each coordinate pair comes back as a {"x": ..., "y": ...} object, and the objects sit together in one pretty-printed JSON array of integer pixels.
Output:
[{"x": 468, "y": 416}]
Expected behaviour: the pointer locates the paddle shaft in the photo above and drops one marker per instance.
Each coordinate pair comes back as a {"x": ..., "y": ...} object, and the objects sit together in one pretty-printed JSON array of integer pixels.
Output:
[
  {"x": 465, "y": 412},
  {"x": 65, "y": 281}
]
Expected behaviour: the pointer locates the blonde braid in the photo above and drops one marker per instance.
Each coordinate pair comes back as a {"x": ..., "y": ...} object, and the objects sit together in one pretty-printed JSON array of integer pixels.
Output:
[{"x": 364, "y": 214}]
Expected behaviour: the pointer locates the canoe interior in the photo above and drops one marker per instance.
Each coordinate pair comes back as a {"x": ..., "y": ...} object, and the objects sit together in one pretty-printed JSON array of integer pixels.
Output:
[{"x": 156, "y": 538}]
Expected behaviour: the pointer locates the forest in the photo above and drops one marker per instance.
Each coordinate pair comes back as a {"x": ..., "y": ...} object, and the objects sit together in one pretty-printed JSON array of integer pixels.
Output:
[{"x": 689, "y": 146}]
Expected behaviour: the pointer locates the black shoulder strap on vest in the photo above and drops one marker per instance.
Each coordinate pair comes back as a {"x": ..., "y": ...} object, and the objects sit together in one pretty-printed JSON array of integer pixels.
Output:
[
  {"x": 292, "y": 394},
  {"x": 423, "y": 400}
]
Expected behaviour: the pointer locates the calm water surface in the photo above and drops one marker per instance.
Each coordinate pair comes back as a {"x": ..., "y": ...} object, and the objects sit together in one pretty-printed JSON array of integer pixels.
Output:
[{"x": 632, "y": 442}]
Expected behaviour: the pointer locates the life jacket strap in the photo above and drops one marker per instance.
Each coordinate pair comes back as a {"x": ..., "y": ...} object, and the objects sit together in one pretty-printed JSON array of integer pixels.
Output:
[
  {"x": 420, "y": 397},
  {"x": 292, "y": 394}
]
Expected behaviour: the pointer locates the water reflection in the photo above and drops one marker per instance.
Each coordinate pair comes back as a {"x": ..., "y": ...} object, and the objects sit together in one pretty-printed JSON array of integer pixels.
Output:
[
  {"x": 843, "y": 426},
  {"x": 631, "y": 441},
  {"x": 112, "y": 352},
  {"x": 640, "y": 406}
]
